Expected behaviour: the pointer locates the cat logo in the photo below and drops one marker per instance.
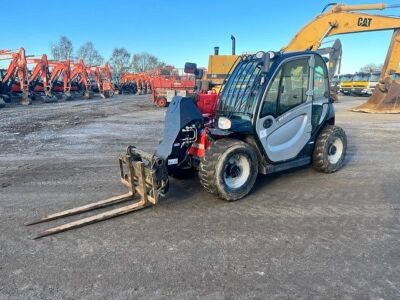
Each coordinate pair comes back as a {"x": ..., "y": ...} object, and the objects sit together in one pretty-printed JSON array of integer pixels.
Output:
[{"x": 364, "y": 22}]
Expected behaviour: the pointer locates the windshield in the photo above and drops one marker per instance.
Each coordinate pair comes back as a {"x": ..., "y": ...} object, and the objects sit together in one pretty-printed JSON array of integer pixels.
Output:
[
  {"x": 361, "y": 77},
  {"x": 346, "y": 78},
  {"x": 374, "y": 77},
  {"x": 395, "y": 76},
  {"x": 240, "y": 92}
]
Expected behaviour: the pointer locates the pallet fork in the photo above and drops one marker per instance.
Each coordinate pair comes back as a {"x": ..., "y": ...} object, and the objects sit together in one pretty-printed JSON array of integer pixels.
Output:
[{"x": 143, "y": 174}]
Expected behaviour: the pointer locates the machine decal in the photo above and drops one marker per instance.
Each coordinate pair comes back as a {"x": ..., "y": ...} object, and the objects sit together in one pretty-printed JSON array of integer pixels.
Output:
[
  {"x": 364, "y": 22},
  {"x": 263, "y": 133}
]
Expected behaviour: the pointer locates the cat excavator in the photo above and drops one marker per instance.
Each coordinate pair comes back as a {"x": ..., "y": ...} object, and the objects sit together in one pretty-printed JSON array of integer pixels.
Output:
[{"x": 338, "y": 19}]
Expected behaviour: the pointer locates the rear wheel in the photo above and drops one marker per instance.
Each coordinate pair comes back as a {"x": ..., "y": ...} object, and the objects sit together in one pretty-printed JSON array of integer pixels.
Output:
[
  {"x": 330, "y": 149},
  {"x": 229, "y": 169}
]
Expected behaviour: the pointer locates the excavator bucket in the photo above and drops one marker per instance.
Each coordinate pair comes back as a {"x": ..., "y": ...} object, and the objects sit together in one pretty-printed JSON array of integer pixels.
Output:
[
  {"x": 144, "y": 175},
  {"x": 25, "y": 99},
  {"x": 384, "y": 100},
  {"x": 2, "y": 103}
]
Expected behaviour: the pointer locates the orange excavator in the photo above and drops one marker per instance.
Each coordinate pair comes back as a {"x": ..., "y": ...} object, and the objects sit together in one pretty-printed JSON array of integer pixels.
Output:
[
  {"x": 139, "y": 84},
  {"x": 80, "y": 76},
  {"x": 102, "y": 78},
  {"x": 39, "y": 80},
  {"x": 60, "y": 78},
  {"x": 15, "y": 80},
  {"x": 338, "y": 19}
]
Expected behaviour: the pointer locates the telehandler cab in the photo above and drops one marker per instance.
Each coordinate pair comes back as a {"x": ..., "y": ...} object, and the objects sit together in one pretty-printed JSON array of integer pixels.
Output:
[{"x": 274, "y": 113}]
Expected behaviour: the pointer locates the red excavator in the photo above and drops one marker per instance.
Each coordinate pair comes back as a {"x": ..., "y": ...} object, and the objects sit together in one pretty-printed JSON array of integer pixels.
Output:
[
  {"x": 39, "y": 80},
  {"x": 80, "y": 76},
  {"x": 15, "y": 79},
  {"x": 138, "y": 84},
  {"x": 60, "y": 79},
  {"x": 102, "y": 78}
]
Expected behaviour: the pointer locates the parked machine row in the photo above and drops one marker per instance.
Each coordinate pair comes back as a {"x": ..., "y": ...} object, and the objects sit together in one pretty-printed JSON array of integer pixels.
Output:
[
  {"x": 29, "y": 78},
  {"x": 359, "y": 84},
  {"x": 162, "y": 87}
]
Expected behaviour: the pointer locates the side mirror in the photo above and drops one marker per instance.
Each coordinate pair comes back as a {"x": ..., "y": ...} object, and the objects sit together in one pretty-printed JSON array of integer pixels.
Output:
[{"x": 190, "y": 68}]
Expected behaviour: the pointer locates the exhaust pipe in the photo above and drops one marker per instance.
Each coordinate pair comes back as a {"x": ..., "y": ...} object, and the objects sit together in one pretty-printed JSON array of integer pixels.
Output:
[
  {"x": 216, "y": 50},
  {"x": 233, "y": 45}
]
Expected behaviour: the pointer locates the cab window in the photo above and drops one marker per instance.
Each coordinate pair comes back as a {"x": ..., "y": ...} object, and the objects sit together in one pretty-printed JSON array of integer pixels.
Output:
[
  {"x": 271, "y": 97},
  {"x": 321, "y": 82},
  {"x": 288, "y": 88}
]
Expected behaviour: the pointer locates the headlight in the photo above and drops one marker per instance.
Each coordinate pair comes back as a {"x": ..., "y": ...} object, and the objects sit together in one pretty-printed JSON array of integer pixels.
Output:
[{"x": 224, "y": 123}]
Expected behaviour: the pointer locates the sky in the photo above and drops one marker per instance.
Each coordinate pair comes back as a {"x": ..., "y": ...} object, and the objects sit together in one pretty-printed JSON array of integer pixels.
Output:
[{"x": 177, "y": 31}]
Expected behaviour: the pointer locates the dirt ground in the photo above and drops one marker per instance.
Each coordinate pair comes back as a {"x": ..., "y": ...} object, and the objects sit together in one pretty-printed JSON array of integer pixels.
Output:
[{"x": 300, "y": 234}]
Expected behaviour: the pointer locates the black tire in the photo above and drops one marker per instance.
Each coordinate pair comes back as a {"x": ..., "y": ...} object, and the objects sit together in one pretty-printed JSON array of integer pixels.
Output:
[
  {"x": 217, "y": 162},
  {"x": 330, "y": 149}
]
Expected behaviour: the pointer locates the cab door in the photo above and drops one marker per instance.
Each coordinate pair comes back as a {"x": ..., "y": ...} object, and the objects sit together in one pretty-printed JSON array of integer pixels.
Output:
[{"x": 284, "y": 122}]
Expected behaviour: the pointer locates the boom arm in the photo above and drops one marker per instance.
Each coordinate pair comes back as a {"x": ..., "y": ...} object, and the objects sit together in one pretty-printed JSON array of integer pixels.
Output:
[
  {"x": 41, "y": 70},
  {"x": 17, "y": 68},
  {"x": 341, "y": 19},
  {"x": 79, "y": 70}
]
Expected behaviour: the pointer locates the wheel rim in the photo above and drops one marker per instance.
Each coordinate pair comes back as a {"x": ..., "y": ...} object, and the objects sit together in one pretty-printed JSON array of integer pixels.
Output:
[
  {"x": 161, "y": 102},
  {"x": 335, "y": 150},
  {"x": 237, "y": 171}
]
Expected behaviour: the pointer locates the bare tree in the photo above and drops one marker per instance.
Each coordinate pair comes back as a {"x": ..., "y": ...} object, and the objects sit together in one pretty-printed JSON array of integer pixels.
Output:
[
  {"x": 144, "y": 61},
  {"x": 371, "y": 68},
  {"x": 62, "y": 49},
  {"x": 89, "y": 54},
  {"x": 119, "y": 61}
]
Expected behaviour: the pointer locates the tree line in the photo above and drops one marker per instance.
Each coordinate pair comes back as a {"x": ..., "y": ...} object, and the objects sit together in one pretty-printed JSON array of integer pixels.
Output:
[
  {"x": 369, "y": 68},
  {"x": 121, "y": 61}
]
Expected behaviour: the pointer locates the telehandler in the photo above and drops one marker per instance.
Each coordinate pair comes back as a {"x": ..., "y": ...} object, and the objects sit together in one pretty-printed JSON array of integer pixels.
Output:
[{"x": 274, "y": 113}]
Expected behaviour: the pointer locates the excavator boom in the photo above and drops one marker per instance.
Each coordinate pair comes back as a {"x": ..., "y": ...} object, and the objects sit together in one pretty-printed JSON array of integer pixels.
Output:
[
  {"x": 17, "y": 69},
  {"x": 346, "y": 19}
]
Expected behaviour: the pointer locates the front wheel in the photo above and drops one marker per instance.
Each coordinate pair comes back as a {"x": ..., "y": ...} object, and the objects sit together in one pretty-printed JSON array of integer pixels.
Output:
[
  {"x": 330, "y": 149},
  {"x": 229, "y": 169}
]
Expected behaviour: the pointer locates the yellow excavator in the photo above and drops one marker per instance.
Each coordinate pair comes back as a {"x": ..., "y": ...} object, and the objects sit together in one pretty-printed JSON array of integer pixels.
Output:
[{"x": 338, "y": 19}]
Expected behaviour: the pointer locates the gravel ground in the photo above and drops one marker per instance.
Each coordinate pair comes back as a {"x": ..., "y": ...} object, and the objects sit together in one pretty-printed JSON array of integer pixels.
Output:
[{"x": 299, "y": 234}]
